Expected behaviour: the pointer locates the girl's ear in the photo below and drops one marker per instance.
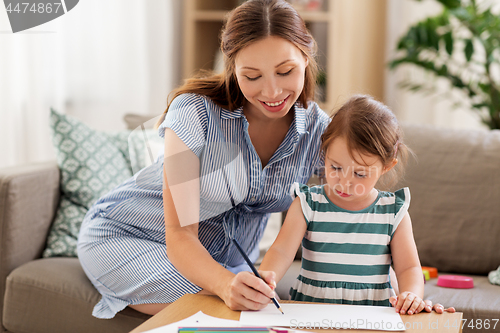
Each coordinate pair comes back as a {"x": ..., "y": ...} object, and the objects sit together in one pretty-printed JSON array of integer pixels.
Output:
[{"x": 391, "y": 165}]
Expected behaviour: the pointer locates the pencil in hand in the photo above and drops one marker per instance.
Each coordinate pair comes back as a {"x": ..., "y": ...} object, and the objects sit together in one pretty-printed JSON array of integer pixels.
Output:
[{"x": 254, "y": 270}]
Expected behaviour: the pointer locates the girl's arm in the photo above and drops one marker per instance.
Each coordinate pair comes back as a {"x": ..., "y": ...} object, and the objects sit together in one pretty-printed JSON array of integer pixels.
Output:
[
  {"x": 181, "y": 197},
  {"x": 408, "y": 269},
  {"x": 280, "y": 255}
]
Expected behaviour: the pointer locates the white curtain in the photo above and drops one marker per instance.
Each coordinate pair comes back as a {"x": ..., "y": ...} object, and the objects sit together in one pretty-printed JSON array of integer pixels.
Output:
[
  {"x": 416, "y": 107},
  {"x": 97, "y": 62}
]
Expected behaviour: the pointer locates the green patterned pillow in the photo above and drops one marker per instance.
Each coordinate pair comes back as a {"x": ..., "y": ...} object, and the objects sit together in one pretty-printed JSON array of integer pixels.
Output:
[
  {"x": 63, "y": 235},
  {"x": 91, "y": 163}
]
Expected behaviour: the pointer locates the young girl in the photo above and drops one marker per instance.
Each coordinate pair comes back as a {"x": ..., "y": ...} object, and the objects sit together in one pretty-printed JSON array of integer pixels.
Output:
[{"x": 350, "y": 231}]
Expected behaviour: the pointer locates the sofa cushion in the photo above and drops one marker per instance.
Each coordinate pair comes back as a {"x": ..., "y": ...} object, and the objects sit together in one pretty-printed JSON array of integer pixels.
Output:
[
  {"x": 57, "y": 296},
  {"x": 455, "y": 188}
]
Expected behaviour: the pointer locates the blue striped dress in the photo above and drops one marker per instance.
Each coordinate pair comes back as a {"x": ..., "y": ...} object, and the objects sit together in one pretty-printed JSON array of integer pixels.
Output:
[
  {"x": 121, "y": 244},
  {"x": 346, "y": 255}
]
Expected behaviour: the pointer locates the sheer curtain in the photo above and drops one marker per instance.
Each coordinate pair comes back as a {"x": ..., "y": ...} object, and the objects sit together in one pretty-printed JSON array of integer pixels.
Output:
[{"x": 97, "y": 62}]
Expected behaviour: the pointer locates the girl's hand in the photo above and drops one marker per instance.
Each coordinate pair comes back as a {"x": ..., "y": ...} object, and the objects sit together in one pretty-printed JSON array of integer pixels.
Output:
[
  {"x": 407, "y": 303},
  {"x": 437, "y": 307},
  {"x": 248, "y": 292}
]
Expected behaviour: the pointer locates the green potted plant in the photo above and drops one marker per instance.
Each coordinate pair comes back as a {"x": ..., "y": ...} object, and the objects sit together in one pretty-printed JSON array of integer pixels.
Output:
[{"x": 462, "y": 45}]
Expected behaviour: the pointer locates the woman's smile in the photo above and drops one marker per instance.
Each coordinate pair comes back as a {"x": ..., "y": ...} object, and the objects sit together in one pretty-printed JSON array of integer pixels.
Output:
[{"x": 275, "y": 106}]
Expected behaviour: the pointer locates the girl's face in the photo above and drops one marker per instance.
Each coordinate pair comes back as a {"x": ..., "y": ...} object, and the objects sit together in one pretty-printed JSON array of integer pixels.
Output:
[
  {"x": 350, "y": 185},
  {"x": 270, "y": 73}
]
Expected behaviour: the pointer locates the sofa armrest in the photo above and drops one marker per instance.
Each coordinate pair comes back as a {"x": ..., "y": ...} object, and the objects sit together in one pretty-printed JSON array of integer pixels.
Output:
[{"x": 28, "y": 200}]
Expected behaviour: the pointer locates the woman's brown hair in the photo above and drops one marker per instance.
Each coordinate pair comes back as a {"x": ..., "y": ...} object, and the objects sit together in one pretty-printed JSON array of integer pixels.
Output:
[
  {"x": 369, "y": 127},
  {"x": 250, "y": 22}
]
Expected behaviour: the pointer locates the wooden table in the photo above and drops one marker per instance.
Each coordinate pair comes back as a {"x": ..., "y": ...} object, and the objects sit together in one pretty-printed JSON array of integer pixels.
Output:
[{"x": 189, "y": 304}]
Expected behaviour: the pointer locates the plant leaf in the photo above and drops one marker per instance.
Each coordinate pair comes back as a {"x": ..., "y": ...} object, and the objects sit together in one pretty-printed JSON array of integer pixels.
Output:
[
  {"x": 480, "y": 105},
  {"x": 485, "y": 87},
  {"x": 450, "y": 3},
  {"x": 432, "y": 35},
  {"x": 469, "y": 49},
  {"x": 448, "y": 40},
  {"x": 423, "y": 37}
]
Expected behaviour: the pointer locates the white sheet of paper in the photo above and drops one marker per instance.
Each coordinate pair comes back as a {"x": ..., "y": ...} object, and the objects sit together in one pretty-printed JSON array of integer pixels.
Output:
[
  {"x": 326, "y": 316},
  {"x": 199, "y": 319}
]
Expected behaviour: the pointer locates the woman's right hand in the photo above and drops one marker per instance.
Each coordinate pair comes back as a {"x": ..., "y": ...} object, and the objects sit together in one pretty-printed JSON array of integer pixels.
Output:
[{"x": 248, "y": 292}]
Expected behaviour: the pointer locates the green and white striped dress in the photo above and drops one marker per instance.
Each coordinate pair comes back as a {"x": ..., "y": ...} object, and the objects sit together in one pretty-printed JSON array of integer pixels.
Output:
[{"x": 346, "y": 255}]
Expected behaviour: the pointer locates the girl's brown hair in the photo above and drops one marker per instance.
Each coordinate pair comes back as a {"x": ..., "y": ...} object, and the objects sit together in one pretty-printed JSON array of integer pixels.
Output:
[
  {"x": 370, "y": 128},
  {"x": 250, "y": 22}
]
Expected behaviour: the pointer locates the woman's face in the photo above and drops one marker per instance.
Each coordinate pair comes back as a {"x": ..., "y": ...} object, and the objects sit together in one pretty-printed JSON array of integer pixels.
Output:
[{"x": 270, "y": 73}]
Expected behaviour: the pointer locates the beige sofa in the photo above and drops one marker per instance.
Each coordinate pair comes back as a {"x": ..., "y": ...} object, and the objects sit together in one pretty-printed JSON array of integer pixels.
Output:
[{"x": 455, "y": 209}]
